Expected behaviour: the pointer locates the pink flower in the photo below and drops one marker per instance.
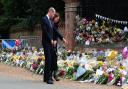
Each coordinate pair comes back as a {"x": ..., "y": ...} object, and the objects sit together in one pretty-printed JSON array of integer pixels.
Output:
[{"x": 111, "y": 76}]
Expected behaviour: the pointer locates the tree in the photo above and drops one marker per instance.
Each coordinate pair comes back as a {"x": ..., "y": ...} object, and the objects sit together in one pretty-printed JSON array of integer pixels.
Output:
[{"x": 26, "y": 13}]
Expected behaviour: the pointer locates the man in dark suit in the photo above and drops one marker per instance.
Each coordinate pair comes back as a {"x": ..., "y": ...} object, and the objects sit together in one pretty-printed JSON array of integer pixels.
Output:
[{"x": 47, "y": 41}]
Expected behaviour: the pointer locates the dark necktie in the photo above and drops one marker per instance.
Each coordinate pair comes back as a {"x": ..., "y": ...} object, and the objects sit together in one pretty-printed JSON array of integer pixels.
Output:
[{"x": 51, "y": 24}]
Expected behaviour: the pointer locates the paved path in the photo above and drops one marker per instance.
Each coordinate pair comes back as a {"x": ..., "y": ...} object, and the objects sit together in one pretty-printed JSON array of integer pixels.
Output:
[
  {"x": 18, "y": 78},
  {"x": 7, "y": 82}
]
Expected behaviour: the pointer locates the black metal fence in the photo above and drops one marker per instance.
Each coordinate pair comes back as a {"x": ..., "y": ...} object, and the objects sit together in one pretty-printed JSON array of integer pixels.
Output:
[{"x": 32, "y": 41}]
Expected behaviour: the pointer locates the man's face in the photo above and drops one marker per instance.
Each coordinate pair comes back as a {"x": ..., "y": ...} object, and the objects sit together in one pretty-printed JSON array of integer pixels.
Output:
[{"x": 52, "y": 14}]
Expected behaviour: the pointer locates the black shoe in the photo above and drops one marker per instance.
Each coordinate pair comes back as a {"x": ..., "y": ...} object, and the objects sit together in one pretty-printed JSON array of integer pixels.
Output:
[
  {"x": 49, "y": 82},
  {"x": 52, "y": 79},
  {"x": 44, "y": 81}
]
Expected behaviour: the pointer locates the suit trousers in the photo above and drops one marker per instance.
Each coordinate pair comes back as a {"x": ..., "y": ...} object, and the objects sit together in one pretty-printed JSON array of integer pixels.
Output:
[
  {"x": 55, "y": 66},
  {"x": 48, "y": 52}
]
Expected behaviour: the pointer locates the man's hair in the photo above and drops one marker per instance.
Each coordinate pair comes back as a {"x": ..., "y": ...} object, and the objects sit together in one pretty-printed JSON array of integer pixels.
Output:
[{"x": 51, "y": 9}]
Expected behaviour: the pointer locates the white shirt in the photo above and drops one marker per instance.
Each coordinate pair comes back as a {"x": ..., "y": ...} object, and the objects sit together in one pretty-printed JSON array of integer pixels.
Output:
[
  {"x": 48, "y": 17},
  {"x": 49, "y": 20}
]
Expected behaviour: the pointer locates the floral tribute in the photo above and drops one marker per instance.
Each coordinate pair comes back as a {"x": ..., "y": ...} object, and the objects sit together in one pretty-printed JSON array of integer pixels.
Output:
[
  {"x": 98, "y": 66},
  {"x": 99, "y": 31}
]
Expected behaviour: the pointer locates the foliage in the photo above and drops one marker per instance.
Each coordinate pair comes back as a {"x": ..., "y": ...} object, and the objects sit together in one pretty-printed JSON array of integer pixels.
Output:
[{"x": 26, "y": 13}]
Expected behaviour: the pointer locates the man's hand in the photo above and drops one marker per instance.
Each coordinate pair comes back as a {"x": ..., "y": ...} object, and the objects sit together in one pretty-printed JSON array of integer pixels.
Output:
[
  {"x": 55, "y": 43},
  {"x": 52, "y": 42}
]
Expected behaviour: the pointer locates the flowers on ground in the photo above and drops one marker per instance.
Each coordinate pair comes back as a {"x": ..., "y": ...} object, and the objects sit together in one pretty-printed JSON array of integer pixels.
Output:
[{"x": 98, "y": 66}]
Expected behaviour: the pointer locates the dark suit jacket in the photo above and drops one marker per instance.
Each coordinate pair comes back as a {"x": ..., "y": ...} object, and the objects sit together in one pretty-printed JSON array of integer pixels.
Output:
[{"x": 47, "y": 30}]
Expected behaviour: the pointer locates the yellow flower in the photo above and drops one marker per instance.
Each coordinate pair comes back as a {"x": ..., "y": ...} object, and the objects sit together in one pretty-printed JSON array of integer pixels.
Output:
[
  {"x": 43, "y": 58},
  {"x": 73, "y": 63},
  {"x": 106, "y": 74},
  {"x": 70, "y": 65},
  {"x": 100, "y": 63},
  {"x": 15, "y": 57},
  {"x": 35, "y": 57},
  {"x": 122, "y": 68},
  {"x": 112, "y": 55},
  {"x": 42, "y": 62},
  {"x": 65, "y": 62}
]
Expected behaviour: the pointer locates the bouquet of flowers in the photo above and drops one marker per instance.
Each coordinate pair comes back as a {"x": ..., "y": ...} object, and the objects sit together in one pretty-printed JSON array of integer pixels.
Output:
[
  {"x": 116, "y": 78},
  {"x": 92, "y": 32},
  {"x": 87, "y": 74},
  {"x": 69, "y": 72},
  {"x": 103, "y": 79}
]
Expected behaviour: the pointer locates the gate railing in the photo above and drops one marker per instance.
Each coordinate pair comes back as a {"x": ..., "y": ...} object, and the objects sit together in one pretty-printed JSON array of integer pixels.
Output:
[{"x": 32, "y": 41}]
